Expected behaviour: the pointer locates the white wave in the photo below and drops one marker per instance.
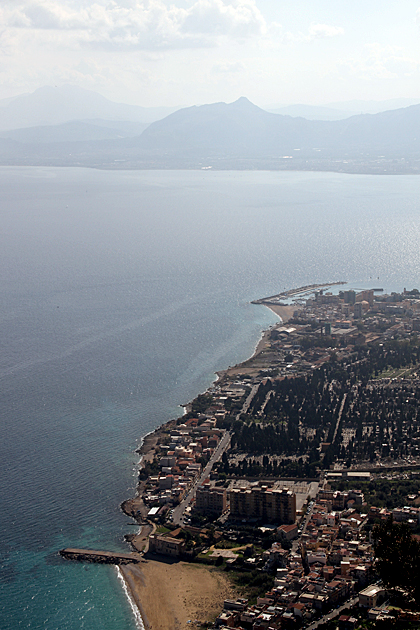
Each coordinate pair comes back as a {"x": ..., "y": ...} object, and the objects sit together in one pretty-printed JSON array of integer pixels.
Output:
[{"x": 133, "y": 606}]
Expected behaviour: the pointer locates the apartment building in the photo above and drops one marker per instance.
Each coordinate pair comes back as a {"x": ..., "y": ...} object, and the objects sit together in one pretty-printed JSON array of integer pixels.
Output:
[
  {"x": 210, "y": 500},
  {"x": 270, "y": 505}
]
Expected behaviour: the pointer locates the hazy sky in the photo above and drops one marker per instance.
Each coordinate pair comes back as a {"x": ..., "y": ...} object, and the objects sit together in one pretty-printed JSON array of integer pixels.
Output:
[{"x": 183, "y": 52}]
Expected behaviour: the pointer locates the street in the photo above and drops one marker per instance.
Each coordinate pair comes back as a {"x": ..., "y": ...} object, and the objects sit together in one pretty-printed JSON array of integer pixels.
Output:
[
  {"x": 334, "y": 613},
  {"x": 223, "y": 445}
]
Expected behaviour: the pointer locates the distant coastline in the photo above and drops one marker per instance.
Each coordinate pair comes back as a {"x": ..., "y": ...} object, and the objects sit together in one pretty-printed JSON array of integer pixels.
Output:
[{"x": 192, "y": 138}]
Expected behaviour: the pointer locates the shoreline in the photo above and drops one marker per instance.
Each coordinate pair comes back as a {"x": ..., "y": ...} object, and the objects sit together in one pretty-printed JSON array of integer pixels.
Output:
[
  {"x": 138, "y": 581},
  {"x": 167, "y": 592},
  {"x": 284, "y": 313},
  {"x": 135, "y": 603},
  {"x": 149, "y": 440}
]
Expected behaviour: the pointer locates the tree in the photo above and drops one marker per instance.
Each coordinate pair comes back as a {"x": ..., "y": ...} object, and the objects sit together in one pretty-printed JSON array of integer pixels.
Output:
[{"x": 397, "y": 556}]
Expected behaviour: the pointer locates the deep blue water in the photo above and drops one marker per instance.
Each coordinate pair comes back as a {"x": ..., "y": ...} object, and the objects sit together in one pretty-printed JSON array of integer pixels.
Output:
[{"x": 121, "y": 294}]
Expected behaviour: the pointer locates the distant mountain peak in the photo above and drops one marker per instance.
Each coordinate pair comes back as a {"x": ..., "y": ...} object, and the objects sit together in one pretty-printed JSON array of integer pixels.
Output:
[
  {"x": 242, "y": 99},
  {"x": 243, "y": 104}
]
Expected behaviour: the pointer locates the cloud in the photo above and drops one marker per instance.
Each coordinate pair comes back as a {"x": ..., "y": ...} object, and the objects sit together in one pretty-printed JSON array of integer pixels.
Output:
[
  {"x": 139, "y": 24},
  {"x": 238, "y": 19},
  {"x": 229, "y": 66},
  {"x": 379, "y": 62},
  {"x": 37, "y": 15},
  {"x": 315, "y": 31},
  {"x": 150, "y": 24},
  {"x": 321, "y": 31}
]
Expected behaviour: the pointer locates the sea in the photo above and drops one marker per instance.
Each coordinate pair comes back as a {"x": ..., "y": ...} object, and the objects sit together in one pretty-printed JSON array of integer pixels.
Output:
[{"x": 121, "y": 294}]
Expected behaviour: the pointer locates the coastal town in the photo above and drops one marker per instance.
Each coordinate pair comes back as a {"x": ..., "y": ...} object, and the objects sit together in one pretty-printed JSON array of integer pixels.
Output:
[{"x": 281, "y": 473}]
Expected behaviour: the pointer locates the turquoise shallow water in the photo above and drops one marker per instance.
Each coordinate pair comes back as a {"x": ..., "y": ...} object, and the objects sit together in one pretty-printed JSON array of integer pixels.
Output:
[{"x": 122, "y": 293}]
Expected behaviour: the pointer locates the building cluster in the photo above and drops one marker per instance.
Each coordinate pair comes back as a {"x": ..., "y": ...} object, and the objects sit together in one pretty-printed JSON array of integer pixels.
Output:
[
  {"x": 184, "y": 541},
  {"x": 256, "y": 501},
  {"x": 169, "y": 544},
  {"x": 408, "y": 514},
  {"x": 332, "y": 564},
  {"x": 341, "y": 315},
  {"x": 330, "y": 560},
  {"x": 182, "y": 454},
  {"x": 211, "y": 500},
  {"x": 350, "y": 318}
]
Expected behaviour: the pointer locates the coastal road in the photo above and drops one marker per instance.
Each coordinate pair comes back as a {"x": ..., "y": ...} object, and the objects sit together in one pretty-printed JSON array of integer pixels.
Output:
[{"x": 223, "y": 445}]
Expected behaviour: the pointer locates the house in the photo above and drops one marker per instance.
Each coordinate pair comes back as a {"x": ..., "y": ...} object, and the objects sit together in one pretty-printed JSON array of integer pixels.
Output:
[
  {"x": 226, "y": 619},
  {"x": 288, "y": 532},
  {"x": 298, "y": 609},
  {"x": 370, "y": 596},
  {"x": 166, "y": 545},
  {"x": 347, "y": 623}
]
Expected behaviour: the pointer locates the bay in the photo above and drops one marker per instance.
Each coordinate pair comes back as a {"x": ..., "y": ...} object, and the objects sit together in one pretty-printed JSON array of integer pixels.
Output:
[{"x": 121, "y": 294}]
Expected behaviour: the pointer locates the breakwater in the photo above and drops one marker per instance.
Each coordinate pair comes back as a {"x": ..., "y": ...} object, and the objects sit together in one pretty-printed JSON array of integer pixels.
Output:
[
  {"x": 299, "y": 292},
  {"x": 102, "y": 557}
]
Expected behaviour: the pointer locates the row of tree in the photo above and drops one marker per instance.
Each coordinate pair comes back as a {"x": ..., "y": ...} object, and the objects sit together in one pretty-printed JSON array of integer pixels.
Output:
[
  {"x": 293, "y": 416},
  {"x": 397, "y": 559}
]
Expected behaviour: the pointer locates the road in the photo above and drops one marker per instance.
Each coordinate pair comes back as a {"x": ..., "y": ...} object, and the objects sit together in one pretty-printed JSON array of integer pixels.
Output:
[
  {"x": 248, "y": 400},
  {"x": 334, "y": 613},
  {"x": 303, "y": 525},
  {"x": 340, "y": 413},
  {"x": 223, "y": 445}
]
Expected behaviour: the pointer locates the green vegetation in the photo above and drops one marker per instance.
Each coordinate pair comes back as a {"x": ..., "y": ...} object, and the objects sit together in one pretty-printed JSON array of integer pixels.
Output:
[
  {"x": 162, "y": 529},
  {"x": 338, "y": 404},
  {"x": 253, "y": 584},
  {"x": 149, "y": 469},
  {"x": 234, "y": 405},
  {"x": 402, "y": 372},
  {"x": 397, "y": 561},
  {"x": 200, "y": 404},
  {"x": 226, "y": 544},
  {"x": 383, "y": 492}
]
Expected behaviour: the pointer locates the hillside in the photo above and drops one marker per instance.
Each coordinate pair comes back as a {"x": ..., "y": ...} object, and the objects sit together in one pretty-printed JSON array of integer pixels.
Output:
[
  {"x": 241, "y": 127},
  {"x": 56, "y": 105},
  {"x": 229, "y": 136}
]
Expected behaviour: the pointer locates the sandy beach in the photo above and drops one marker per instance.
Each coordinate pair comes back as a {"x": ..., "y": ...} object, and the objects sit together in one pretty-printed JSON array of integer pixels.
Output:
[
  {"x": 260, "y": 359},
  {"x": 285, "y": 312},
  {"x": 170, "y": 594}
]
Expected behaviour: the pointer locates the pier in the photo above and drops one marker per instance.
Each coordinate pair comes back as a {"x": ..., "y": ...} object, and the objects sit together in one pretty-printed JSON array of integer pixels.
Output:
[
  {"x": 103, "y": 557},
  {"x": 294, "y": 293}
]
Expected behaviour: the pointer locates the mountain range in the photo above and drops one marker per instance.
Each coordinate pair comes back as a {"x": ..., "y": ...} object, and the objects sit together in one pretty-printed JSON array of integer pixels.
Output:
[
  {"x": 244, "y": 128},
  {"x": 342, "y": 109},
  {"x": 56, "y": 105},
  {"x": 219, "y": 135}
]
